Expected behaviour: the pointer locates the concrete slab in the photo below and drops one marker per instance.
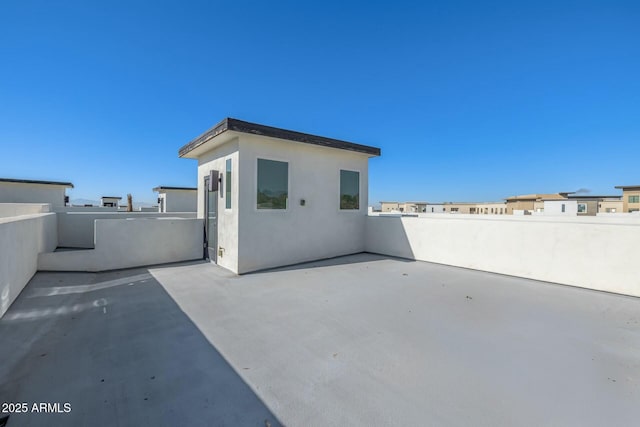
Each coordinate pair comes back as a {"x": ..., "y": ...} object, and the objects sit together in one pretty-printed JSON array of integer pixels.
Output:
[{"x": 359, "y": 340}]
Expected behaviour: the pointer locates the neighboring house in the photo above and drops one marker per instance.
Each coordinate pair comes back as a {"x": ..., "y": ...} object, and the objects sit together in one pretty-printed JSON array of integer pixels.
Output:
[
  {"x": 404, "y": 207},
  {"x": 491, "y": 208},
  {"x": 560, "y": 207},
  {"x": 588, "y": 205},
  {"x": 459, "y": 208},
  {"x": 531, "y": 202},
  {"x": 612, "y": 205},
  {"x": 415, "y": 207},
  {"x": 31, "y": 191},
  {"x": 434, "y": 208},
  {"x": 110, "y": 201},
  {"x": 272, "y": 197},
  {"x": 177, "y": 199},
  {"x": 390, "y": 207},
  {"x": 630, "y": 197}
]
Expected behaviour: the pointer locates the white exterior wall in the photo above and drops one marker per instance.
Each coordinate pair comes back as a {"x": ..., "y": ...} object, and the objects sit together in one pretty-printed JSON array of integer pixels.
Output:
[
  {"x": 18, "y": 192},
  {"x": 598, "y": 253},
  {"x": 22, "y": 238},
  {"x": 179, "y": 200},
  {"x": 271, "y": 238},
  {"x": 17, "y": 209},
  {"x": 554, "y": 208},
  {"x": 125, "y": 243},
  {"x": 435, "y": 208},
  {"x": 77, "y": 229},
  {"x": 227, "y": 218}
]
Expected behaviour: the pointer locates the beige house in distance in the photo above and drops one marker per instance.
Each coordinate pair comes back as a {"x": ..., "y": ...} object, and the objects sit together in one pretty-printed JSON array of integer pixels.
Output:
[
  {"x": 406, "y": 207},
  {"x": 630, "y": 198},
  {"x": 531, "y": 202}
]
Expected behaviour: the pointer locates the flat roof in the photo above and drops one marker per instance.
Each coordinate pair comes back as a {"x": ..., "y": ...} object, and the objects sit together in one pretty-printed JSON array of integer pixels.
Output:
[
  {"x": 175, "y": 188},
  {"x": 624, "y": 187},
  {"x": 33, "y": 181},
  {"x": 575, "y": 196},
  {"x": 110, "y": 197},
  {"x": 358, "y": 340},
  {"x": 230, "y": 124}
]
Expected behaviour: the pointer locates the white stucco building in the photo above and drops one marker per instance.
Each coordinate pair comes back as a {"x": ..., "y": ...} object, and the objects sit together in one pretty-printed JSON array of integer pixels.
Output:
[
  {"x": 560, "y": 208},
  {"x": 32, "y": 191},
  {"x": 177, "y": 199},
  {"x": 110, "y": 201},
  {"x": 273, "y": 197}
]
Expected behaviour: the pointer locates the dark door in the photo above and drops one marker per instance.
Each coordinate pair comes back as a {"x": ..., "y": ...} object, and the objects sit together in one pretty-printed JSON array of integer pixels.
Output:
[{"x": 210, "y": 222}]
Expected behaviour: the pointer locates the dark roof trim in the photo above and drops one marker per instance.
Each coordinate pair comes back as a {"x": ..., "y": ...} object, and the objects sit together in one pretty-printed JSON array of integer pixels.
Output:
[
  {"x": 175, "y": 188},
  {"x": 111, "y": 197},
  {"x": 576, "y": 196},
  {"x": 627, "y": 186},
  {"x": 32, "y": 181},
  {"x": 262, "y": 130}
]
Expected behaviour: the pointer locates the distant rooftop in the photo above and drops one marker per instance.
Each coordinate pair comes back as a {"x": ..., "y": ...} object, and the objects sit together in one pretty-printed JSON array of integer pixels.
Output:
[
  {"x": 230, "y": 124},
  {"x": 157, "y": 189},
  {"x": 628, "y": 187},
  {"x": 111, "y": 197},
  {"x": 555, "y": 196},
  {"x": 33, "y": 181}
]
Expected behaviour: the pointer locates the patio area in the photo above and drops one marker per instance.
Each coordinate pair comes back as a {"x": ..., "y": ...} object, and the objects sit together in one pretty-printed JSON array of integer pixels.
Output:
[{"x": 359, "y": 340}]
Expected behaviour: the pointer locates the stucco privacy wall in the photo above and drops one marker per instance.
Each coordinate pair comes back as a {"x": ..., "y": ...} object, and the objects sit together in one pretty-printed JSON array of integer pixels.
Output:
[
  {"x": 124, "y": 243},
  {"x": 17, "y": 209},
  {"x": 598, "y": 254},
  {"x": 21, "y": 239},
  {"x": 270, "y": 238},
  {"x": 227, "y": 218},
  {"x": 76, "y": 229}
]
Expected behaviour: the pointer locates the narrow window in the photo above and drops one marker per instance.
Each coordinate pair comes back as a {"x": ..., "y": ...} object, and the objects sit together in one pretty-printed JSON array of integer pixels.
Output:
[
  {"x": 227, "y": 188},
  {"x": 563, "y": 207},
  {"x": 350, "y": 190},
  {"x": 273, "y": 184}
]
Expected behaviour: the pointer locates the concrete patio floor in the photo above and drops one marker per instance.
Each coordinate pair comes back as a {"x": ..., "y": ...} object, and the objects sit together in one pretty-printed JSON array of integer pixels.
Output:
[{"x": 359, "y": 340}]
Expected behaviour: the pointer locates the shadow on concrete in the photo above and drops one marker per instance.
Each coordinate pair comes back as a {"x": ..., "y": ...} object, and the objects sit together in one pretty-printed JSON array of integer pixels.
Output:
[
  {"x": 120, "y": 351},
  {"x": 329, "y": 262}
]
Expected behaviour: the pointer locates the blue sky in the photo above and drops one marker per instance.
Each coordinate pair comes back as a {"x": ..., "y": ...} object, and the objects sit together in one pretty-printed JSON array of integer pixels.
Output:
[{"x": 468, "y": 100}]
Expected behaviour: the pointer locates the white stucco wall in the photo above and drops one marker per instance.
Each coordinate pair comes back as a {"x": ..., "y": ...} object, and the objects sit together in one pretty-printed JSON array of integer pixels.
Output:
[
  {"x": 435, "y": 208},
  {"x": 22, "y": 238},
  {"x": 17, "y": 209},
  {"x": 18, "y": 192},
  {"x": 179, "y": 200},
  {"x": 554, "y": 208},
  {"x": 124, "y": 243},
  {"x": 271, "y": 238},
  {"x": 76, "y": 229},
  {"x": 598, "y": 253},
  {"x": 227, "y": 218}
]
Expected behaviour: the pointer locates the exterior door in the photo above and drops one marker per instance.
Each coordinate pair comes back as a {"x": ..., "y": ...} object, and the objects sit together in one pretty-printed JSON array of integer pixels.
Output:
[{"x": 210, "y": 222}]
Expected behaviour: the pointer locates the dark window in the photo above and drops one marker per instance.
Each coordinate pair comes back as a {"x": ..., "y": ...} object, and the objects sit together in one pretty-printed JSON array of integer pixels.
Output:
[
  {"x": 350, "y": 190},
  {"x": 273, "y": 184}
]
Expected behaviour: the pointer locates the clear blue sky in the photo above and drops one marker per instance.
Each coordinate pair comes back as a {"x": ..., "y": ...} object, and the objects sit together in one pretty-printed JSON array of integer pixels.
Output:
[{"x": 468, "y": 100}]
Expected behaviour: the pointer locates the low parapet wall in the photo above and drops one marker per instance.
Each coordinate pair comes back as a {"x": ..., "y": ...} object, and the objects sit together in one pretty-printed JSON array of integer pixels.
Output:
[
  {"x": 76, "y": 229},
  {"x": 124, "y": 243},
  {"x": 589, "y": 253},
  {"x": 16, "y": 209},
  {"x": 22, "y": 238}
]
